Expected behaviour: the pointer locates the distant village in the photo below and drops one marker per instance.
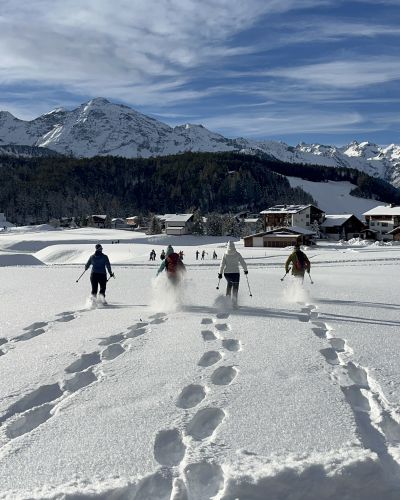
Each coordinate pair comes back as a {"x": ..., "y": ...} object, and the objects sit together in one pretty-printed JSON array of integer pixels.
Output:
[{"x": 277, "y": 226}]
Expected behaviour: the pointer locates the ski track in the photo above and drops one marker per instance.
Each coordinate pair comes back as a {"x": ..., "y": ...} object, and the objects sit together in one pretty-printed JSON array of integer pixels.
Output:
[
  {"x": 377, "y": 422},
  {"x": 35, "y": 408},
  {"x": 173, "y": 447}
]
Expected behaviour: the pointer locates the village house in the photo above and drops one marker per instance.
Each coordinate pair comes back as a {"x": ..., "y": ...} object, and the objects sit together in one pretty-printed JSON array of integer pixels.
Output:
[
  {"x": 119, "y": 223},
  {"x": 101, "y": 221},
  {"x": 342, "y": 227},
  {"x": 292, "y": 215},
  {"x": 177, "y": 224},
  {"x": 133, "y": 221},
  {"x": 280, "y": 237},
  {"x": 383, "y": 220}
]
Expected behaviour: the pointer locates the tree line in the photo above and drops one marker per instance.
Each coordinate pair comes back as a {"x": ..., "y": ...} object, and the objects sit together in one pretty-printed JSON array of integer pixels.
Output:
[{"x": 37, "y": 189}]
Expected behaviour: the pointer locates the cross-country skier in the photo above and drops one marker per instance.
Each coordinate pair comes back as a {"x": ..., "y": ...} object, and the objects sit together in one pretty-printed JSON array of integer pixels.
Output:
[
  {"x": 99, "y": 262},
  {"x": 298, "y": 262},
  {"x": 230, "y": 267},
  {"x": 173, "y": 265}
]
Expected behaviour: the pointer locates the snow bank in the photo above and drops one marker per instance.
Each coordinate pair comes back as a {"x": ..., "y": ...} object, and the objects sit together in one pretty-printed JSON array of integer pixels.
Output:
[
  {"x": 348, "y": 473},
  {"x": 19, "y": 260}
]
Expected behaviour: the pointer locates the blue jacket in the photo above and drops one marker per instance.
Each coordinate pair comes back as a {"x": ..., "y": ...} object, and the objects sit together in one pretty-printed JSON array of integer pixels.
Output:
[{"x": 99, "y": 263}]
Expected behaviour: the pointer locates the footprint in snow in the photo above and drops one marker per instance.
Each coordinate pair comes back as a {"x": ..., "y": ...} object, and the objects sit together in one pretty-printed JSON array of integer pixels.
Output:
[
  {"x": 208, "y": 335},
  {"x": 79, "y": 381},
  {"x": 137, "y": 332},
  {"x": 204, "y": 423},
  {"x": 112, "y": 339},
  {"x": 29, "y": 421},
  {"x": 223, "y": 375},
  {"x": 222, "y": 327},
  {"x": 112, "y": 352},
  {"x": 358, "y": 375},
  {"x": 204, "y": 480},
  {"x": 232, "y": 345},
  {"x": 169, "y": 449},
  {"x": 191, "y": 396},
  {"x": 83, "y": 362},
  {"x": 330, "y": 356},
  {"x": 3, "y": 341},
  {"x": 206, "y": 321},
  {"x": 222, "y": 315},
  {"x": 338, "y": 344},
  {"x": 44, "y": 394},
  {"x": 209, "y": 358}
]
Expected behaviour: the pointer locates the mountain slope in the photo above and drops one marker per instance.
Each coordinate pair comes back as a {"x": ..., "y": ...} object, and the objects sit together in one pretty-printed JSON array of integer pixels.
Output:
[{"x": 100, "y": 127}]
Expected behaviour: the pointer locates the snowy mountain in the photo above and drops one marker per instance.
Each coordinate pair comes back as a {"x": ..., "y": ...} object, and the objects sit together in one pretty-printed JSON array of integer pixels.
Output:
[{"x": 100, "y": 127}]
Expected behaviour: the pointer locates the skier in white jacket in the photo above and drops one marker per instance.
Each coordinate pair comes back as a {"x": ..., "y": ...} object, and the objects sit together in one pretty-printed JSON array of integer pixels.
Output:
[{"x": 230, "y": 267}]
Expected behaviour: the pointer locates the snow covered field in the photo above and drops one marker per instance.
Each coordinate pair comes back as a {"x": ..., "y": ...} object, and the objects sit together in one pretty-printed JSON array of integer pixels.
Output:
[{"x": 295, "y": 395}]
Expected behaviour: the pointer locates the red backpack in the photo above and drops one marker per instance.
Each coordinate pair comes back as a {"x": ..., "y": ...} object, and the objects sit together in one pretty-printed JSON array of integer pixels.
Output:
[{"x": 173, "y": 262}]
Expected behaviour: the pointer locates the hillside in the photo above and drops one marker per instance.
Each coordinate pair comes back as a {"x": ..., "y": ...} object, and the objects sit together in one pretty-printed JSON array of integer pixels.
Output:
[{"x": 40, "y": 188}]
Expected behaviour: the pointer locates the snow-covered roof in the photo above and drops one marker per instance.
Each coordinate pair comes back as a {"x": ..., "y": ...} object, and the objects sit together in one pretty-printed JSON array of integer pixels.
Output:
[
  {"x": 384, "y": 210},
  {"x": 250, "y": 221},
  {"x": 287, "y": 209},
  {"x": 100, "y": 216},
  {"x": 335, "y": 220},
  {"x": 176, "y": 217},
  {"x": 291, "y": 230}
]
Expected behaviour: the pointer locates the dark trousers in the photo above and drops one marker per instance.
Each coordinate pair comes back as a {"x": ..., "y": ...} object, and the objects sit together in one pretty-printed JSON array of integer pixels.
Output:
[
  {"x": 232, "y": 282},
  {"x": 97, "y": 279}
]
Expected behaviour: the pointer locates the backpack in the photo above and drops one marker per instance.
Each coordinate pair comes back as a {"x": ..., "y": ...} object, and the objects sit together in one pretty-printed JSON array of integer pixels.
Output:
[
  {"x": 299, "y": 263},
  {"x": 172, "y": 263}
]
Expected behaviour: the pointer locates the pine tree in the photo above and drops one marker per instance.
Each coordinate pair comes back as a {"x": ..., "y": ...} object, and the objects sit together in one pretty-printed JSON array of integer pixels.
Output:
[
  {"x": 214, "y": 226},
  {"x": 198, "y": 224},
  {"x": 155, "y": 227}
]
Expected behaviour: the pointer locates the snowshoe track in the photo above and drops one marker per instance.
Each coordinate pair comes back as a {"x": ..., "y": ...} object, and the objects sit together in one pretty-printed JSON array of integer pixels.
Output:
[
  {"x": 377, "y": 423},
  {"x": 36, "y": 407}
]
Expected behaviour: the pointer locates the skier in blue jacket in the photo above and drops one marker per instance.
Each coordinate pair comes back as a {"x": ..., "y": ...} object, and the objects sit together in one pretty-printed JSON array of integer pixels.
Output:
[{"x": 99, "y": 262}]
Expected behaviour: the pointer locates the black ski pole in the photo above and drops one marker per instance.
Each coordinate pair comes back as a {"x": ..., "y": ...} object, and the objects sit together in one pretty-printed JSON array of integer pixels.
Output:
[
  {"x": 81, "y": 275},
  {"x": 284, "y": 277},
  {"x": 309, "y": 275},
  {"x": 248, "y": 284},
  {"x": 111, "y": 276},
  {"x": 219, "y": 280}
]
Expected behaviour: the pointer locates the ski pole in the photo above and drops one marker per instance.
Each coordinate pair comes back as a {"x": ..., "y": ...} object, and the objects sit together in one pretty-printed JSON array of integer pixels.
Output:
[
  {"x": 284, "y": 276},
  {"x": 111, "y": 276},
  {"x": 309, "y": 275},
  {"x": 81, "y": 275},
  {"x": 219, "y": 279},
  {"x": 248, "y": 284}
]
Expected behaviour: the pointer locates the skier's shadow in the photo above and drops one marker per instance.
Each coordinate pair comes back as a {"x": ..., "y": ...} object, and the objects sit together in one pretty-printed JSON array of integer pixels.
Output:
[
  {"x": 359, "y": 303},
  {"x": 293, "y": 315}
]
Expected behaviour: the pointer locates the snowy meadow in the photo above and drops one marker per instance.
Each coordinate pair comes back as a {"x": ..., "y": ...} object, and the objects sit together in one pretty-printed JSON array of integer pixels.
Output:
[{"x": 174, "y": 395}]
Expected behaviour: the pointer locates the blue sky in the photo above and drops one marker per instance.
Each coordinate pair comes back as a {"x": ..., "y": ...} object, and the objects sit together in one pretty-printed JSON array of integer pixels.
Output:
[{"x": 295, "y": 70}]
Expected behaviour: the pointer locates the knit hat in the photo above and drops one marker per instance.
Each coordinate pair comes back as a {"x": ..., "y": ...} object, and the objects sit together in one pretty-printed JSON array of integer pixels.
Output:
[
  {"x": 98, "y": 247},
  {"x": 169, "y": 250},
  {"x": 230, "y": 247}
]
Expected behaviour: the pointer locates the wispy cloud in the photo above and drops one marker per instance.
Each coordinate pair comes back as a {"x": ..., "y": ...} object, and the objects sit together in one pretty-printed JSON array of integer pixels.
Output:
[{"x": 343, "y": 74}]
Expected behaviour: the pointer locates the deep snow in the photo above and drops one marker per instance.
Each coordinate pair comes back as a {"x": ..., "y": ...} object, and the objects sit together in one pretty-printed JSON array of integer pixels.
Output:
[{"x": 295, "y": 395}]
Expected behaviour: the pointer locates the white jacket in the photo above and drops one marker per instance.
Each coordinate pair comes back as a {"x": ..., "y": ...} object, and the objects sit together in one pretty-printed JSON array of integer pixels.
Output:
[{"x": 230, "y": 262}]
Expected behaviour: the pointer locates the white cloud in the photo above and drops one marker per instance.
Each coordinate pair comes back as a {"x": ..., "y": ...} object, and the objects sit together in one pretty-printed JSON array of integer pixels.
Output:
[
  {"x": 343, "y": 74},
  {"x": 100, "y": 47}
]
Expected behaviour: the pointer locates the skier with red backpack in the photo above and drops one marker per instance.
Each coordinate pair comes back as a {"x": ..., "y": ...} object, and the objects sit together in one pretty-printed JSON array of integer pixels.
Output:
[
  {"x": 173, "y": 266},
  {"x": 299, "y": 262}
]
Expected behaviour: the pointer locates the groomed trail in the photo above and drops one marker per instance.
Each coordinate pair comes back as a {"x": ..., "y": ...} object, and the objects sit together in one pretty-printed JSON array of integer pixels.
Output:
[{"x": 161, "y": 395}]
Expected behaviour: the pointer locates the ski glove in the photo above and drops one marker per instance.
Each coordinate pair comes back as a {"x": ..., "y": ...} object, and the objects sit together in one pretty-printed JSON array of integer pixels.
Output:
[
  {"x": 220, "y": 276},
  {"x": 246, "y": 272}
]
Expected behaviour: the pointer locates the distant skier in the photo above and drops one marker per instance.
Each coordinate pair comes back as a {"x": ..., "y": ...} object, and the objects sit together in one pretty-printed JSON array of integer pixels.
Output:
[
  {"x": 203, "y": 254},
  {"x": 99, "y": 262},
  {"x": 298, "y": 262},
  {"x": 197, "y": 254},
  {"x": 162, "y": 255},
  {"x": 181, "y": 254},
  {"x": 215, "y": 256},
  {"x": 173, "y": 266},
  {"x": 230, "y": 267}
]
